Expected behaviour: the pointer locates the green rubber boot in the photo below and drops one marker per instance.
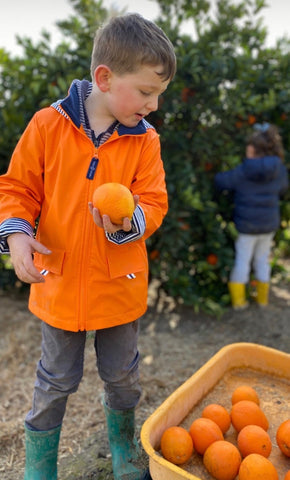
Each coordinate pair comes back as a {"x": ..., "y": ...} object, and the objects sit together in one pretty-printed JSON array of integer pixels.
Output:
[
  {"x": 41, "y": 454},
  {"x": 126, "y": 453}
]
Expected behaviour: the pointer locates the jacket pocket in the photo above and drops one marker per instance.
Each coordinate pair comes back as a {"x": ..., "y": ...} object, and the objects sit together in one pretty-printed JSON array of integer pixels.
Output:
[
  {"x": 126, "y": 259},
  {"x": 52, "y": 262}
]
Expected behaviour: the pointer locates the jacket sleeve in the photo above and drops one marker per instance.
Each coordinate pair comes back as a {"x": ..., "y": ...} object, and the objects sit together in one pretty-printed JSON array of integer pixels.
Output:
[
  {"x": 225, "y": 180},
  {"x": 149, "y": 184},
  {"x": 21, "y": 188},
  {"x": 10, "y": 226},
  {"x": 137, "y": 232}
]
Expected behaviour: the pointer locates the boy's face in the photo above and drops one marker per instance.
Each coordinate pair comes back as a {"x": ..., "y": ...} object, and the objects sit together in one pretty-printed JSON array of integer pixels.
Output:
[{"x": 132, "y": 96}]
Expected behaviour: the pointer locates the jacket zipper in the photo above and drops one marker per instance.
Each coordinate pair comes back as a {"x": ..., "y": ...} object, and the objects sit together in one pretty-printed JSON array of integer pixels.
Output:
[{"x": 85, "y": 248}]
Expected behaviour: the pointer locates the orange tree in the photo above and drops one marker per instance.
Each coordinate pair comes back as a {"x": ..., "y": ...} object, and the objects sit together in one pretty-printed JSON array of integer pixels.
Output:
[
  {"x": 226, "y": 80},
  {"x": 42, "y": 73}
]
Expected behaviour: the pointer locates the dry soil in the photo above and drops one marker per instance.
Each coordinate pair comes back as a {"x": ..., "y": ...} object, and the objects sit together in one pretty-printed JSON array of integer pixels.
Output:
[{"x": 174, "y": 343}]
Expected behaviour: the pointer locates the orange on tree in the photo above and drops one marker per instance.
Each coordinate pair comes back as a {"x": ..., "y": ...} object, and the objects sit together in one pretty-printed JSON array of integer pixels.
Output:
[
  {"x": 247, "y": 412},
  {"x": 239, "y": 124},
  {"x": 212, "y": 259},
  {"x": 222, "y": 460},
  {"x": 187, "y": 93},
  {"x": 254, "y": 439},
  {"x": 184, "y": 226},
  {"x": 283, "y": 437},
  {"x": 219, "y": 414},
  {"x": 115, "y": 200},
  {"x": 257, "y": 467},
  {"x": 208, "y": 166},
  {"x": 287, "y": 475},
  {"x": 154, "y": 254},
  {"x": 176, "y": 445},
  {"x": 204, "y": 432},
  {"x": 251, "y": 119},
  {"x": 245, "y": 392}
]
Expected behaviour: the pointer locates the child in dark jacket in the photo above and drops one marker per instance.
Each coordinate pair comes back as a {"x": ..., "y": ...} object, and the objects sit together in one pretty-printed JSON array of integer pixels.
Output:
[{"x": 257, "y": 185}]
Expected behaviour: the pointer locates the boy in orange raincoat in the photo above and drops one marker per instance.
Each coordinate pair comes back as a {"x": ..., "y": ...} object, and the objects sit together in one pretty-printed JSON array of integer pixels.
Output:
[{"x": 87, "y": 273}]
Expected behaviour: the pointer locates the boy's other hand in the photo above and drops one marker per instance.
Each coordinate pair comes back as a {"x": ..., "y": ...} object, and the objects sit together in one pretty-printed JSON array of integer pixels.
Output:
[
  {"x": 105, "y": 222},
  {"x": 21, "y": 248}
]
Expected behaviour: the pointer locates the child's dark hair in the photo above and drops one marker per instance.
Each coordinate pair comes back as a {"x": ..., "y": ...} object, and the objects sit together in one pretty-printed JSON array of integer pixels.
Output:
[
  {"x": 127, "y": 42},
  {"x": 266, "y": 141}
]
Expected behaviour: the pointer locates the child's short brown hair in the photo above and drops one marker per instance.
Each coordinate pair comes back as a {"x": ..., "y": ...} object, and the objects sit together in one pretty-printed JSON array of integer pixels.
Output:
[{"x": 127, "y": 42}]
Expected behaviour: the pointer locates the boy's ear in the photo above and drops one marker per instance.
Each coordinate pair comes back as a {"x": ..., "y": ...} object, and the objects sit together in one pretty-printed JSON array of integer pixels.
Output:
[{"x": 102, "y": 77}]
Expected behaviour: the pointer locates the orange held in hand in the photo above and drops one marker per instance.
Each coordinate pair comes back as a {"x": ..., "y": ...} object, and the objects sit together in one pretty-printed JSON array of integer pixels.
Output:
[
  {"x": 176, "y": 445},
  {"x": 222, "y": 460},
  {"x": 257, "y": 467},
  {"x": 283, "y": 437},
  {"x": 115, "y": 200}
]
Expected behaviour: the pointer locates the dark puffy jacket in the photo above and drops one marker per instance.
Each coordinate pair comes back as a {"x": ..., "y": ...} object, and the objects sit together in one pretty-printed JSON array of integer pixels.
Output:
[{"x": 257, "y": 185}]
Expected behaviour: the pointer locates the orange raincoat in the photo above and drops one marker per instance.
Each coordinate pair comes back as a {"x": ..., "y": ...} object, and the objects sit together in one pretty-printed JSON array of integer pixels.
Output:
[{"x": 87, "y": 286}]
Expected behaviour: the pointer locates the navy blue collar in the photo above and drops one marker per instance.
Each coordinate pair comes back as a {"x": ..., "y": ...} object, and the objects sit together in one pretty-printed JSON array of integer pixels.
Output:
[
  {"x": 71, "y": 105},
  {"x": 139, "y": 129}
]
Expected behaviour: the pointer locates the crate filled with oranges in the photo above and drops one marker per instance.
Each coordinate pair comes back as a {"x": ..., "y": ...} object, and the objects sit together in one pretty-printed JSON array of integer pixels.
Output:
[{"x": 229, "y": 421}]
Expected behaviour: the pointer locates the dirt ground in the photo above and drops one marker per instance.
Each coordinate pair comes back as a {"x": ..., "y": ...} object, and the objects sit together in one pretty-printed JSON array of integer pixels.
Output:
[{"x": 174, "y": 343}]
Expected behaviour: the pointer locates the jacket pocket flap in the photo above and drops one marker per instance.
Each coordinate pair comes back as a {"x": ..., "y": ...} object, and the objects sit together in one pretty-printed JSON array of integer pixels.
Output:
[
  {"x": 52, "y": 262},
  {"x": 126, "y": 259}
]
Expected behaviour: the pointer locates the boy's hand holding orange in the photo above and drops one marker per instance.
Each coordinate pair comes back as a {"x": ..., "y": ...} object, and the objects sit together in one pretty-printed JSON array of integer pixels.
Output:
[{"x": 113, "y": 206}]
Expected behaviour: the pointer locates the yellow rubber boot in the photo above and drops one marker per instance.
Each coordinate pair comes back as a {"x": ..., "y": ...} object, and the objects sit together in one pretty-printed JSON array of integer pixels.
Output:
[
  {"x": 262, "y": 293},
  {"x": 238, "y": 295}
]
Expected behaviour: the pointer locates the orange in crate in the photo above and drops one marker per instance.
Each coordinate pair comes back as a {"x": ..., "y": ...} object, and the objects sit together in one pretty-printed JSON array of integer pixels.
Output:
[
  {"x": 247, "y": 412},
  {"x": 257, "y": 467},
  {"x": 222, "y": 460},
  {"x": 254, "y": 439},
  {"x": 283, "y": 437},
  {"x": 218, "y": 414},
  {"x": 176, "y": 445},
  {"x": 245, "y": 392},
  {"x": 204, "y": 432}
]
